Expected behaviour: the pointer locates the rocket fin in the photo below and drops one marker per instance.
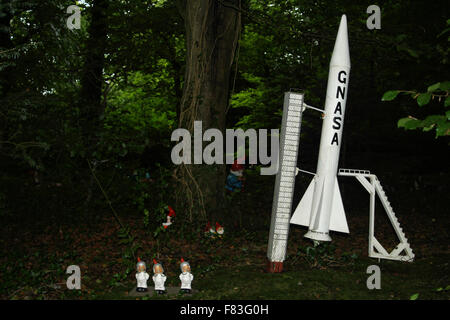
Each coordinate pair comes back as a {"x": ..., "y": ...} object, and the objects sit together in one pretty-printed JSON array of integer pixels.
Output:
[
  {"x": 338, "y": 221},
  {"x": 302, "y": 213}
]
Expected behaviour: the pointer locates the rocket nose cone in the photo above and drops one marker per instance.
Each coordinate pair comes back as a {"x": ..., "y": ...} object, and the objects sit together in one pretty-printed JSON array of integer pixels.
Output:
[{"x": 341, "y": 52}]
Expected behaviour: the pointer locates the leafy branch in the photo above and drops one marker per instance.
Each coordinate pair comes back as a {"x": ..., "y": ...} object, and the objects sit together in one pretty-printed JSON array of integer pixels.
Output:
[{"x": 438, "y": 91}]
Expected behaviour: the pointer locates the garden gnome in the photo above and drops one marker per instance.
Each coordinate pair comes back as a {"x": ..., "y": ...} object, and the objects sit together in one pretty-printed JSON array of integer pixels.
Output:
[
  {"x": 170, "y": 215},
  {"x": 186, "y": 276},
  {"x": 158, "y": 277},
  {"x": 235, "y": 179},
  {"x": 219, "y": 229},
  {"x": 209, "y": 230},
  {"x": 141, "y": 276}
]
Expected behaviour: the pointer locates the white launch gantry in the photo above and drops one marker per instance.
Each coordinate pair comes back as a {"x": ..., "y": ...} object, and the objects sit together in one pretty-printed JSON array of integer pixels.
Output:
[{"x": 284, "y": 191}]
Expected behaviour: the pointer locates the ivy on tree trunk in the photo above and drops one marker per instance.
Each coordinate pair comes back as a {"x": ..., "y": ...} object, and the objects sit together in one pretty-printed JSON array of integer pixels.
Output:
[{"x": 212, "y": 33}]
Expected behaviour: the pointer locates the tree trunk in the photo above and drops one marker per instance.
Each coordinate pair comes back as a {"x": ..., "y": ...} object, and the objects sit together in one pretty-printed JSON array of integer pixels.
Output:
[
  {"x": 212, "y": 32},
  {"x": 91, "y": 105},
  {"x": 92, "y": 78}
]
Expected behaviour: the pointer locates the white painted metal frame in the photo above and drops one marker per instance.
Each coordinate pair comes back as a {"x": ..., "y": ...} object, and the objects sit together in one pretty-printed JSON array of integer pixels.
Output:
[
  {"x": 371, "y": 183},
  {"x": 285, "y": 179}
]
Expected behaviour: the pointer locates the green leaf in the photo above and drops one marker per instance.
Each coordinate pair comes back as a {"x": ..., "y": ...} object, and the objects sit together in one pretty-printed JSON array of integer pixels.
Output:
[
  {"x": 434, "y": 87},
  {"x": 443, "y": 129},
  {"x": 412, "y": 53},
  {"x": 402, "y": 121},
  {"x": 414, "y": 296},
  {"x": 390, "y": 95},
  {"x": 409, "y": 123},
  {"x": 447, "y": 102},
  {"x": 433, "y": 119},
  {"x": 423, "y": 99}
]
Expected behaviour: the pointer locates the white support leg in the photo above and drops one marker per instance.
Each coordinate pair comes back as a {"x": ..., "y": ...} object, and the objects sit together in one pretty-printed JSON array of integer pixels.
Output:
[{"x": 374, "y": 188}]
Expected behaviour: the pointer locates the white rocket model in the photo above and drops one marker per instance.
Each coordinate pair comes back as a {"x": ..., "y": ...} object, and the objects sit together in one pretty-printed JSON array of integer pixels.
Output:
[{"x": 321, "y": 207}]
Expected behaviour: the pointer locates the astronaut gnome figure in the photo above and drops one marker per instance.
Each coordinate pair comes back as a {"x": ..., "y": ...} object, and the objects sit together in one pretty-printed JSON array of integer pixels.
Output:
[
  {"x": 141, "y": 276},
  {"x": 186, "y": 276},
  {"x": 159, "y": 278}
]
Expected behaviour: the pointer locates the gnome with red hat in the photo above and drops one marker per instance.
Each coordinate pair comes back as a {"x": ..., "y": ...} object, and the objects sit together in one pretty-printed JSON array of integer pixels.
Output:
[
  {"x": 141, "y": 276},
  {"x": 158, "y": 277},
  {"x": 219, "y": 229},
  {"x": 209, "y": 230},
  {"x": 186, "y": 276},
  {"x": 235, "y": 179},
  {"x": 170, "y": 215},
  {"x": 213, "y": 232}
]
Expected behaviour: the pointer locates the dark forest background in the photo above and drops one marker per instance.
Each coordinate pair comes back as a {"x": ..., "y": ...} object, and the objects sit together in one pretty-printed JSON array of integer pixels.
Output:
[{"x": 86, "y": 115}]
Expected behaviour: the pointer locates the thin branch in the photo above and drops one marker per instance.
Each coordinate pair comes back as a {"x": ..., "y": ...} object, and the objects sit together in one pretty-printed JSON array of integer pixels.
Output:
[{"x": 116, "y": 216}]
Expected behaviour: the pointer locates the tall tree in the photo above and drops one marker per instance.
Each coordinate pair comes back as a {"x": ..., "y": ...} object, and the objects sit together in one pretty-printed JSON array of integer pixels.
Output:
[
  {"x": 92, "y": 81},
  {"x": 212, "y": 33},
  {"x": 92, "y": 78}
]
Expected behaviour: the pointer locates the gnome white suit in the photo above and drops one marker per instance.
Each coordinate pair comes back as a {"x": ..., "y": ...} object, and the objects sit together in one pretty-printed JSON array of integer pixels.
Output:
[
  {"x": 186, "y": 279},
  {"x": 159, "y": 280},
  {"x": 142, "y": 278}
]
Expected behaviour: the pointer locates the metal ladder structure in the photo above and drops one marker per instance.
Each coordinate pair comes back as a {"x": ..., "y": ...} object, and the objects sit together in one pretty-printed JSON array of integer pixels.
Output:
[
  {"x": 371, "y": 183},
  {"x": 285, "y": 180}
]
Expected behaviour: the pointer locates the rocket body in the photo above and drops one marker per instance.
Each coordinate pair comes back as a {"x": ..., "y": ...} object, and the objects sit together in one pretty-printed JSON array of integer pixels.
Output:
[{"x": 321, "y": 208}]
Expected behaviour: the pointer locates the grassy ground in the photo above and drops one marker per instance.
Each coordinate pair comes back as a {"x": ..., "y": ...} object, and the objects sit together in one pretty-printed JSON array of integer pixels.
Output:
[
  {"x": 251, "y": 282},
  {"x": 35, "y": 252},
  {"x": 229, "y": 268}
]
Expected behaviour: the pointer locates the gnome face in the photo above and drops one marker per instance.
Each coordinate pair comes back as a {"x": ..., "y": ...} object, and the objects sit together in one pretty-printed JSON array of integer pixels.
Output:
[
  {"x": 158, "y": 269},
  {"x": 185, "y": 267},
  {"x": 219, "y": 229},
  {"x": 237, "y": 173},
  {"x": 237, "y": 168},
  {"x": 141, "y": 267}
]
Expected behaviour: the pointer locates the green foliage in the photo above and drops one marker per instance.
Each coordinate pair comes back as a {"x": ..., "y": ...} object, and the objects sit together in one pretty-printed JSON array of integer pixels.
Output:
[
  {"x": 441, "y": 289},
  {"x": 324, "y": 255},
  {"x": 414, "y": 296},
  {"x": 436, "y": 92},
  {"x": 131, "y": 246},
  {"x": 42, "y": 121},
  {"x": 440, "y": 123},
  {"x": 259, "y": 115},
  {"x": 139, "y": 110}
]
